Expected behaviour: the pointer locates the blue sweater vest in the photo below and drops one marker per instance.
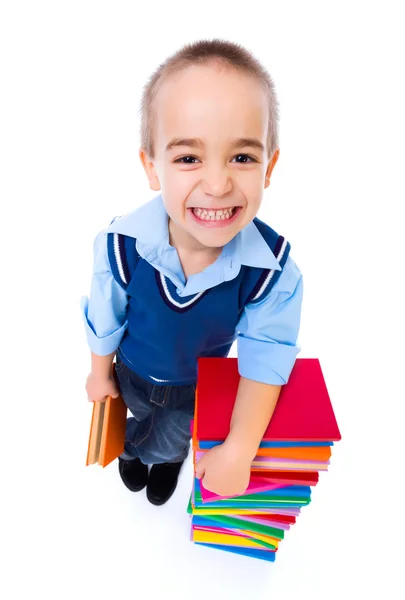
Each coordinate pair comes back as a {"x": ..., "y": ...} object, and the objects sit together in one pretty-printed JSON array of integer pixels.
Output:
[{"x": 166, "y": 334}]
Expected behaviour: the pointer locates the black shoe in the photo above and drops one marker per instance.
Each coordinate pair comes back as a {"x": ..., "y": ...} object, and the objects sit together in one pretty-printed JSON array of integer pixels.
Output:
[
  {"x": 133, "y": 473},
  {"x": 162, "y": 482}
]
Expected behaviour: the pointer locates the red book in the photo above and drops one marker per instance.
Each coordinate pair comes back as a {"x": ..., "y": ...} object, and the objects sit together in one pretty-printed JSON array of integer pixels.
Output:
[
  {"x": 290, "y": 477},
  {"x": 279, "y": 518},
  {"x": 303, "y": 413}
]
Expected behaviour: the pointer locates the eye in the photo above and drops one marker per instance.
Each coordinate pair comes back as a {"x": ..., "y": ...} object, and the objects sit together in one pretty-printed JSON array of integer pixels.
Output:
[
  {"x": 183, "y": 158},
  {"x": 246, "y": 156}
]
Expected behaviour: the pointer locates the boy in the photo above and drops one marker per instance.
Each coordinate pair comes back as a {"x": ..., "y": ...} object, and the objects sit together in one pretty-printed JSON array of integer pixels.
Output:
[{"x": 192, "y": 270}]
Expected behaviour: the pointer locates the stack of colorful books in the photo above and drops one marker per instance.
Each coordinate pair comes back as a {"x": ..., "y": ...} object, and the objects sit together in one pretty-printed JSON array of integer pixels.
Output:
[{"x": 295, "y": 448}]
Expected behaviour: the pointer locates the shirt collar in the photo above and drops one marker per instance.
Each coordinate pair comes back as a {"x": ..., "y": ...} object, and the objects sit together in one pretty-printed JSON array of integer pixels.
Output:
[{"x": 149, "y": 225}]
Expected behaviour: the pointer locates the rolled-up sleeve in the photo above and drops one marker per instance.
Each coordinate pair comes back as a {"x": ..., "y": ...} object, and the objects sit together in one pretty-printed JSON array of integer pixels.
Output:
[
  {"x": 104, "y": 313},
  {"x": 268, "y": 331}
]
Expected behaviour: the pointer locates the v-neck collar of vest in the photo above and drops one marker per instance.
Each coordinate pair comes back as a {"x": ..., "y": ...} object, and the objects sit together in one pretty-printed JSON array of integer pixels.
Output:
[{"x": 248, "y": 247}]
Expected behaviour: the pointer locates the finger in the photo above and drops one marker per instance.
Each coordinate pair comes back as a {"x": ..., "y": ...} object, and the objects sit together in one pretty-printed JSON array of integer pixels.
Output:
[
  {"x": 206, "y": 485},
  {"x": 114, "y": 392},
  {"x": 199, "y": 470}
]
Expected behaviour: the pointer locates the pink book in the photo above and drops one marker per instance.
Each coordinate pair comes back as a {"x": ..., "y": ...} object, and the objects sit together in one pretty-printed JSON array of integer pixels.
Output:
[{"x": 256, "y": 485}]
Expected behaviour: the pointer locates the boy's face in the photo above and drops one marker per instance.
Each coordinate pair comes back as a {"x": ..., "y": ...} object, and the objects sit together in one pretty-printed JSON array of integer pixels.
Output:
[{"x": 214, "y": 106}]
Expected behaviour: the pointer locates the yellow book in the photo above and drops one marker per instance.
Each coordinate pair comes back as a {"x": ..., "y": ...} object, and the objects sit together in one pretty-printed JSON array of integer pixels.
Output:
[{"x": 209, "y": 537}]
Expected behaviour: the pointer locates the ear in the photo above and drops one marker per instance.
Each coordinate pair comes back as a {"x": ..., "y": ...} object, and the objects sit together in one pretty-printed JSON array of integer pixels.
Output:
[
  {"x": 270, "y": 167},
  {"x": 150, "y": 170}
]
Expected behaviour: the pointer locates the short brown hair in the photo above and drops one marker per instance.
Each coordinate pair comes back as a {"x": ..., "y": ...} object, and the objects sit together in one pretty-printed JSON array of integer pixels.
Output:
[{"x": 200, "y": 53}]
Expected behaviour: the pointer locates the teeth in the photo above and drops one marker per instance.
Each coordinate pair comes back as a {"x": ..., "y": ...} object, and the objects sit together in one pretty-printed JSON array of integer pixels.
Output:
[{"x": 213, "y": 215}]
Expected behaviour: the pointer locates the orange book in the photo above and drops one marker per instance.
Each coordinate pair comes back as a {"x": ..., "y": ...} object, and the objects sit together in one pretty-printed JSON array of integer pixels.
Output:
[
  {"x": 107, "y": 431},
  {"x": 314, "y": 453}
]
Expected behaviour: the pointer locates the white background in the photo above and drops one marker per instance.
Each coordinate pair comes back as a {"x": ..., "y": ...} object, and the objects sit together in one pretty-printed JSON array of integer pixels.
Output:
[{"x": 71, "y": 79}]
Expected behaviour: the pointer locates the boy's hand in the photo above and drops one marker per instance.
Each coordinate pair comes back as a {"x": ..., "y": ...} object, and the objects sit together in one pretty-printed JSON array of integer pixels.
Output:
[
  {"x": 224, "y": 470},
  {"x": 98, "y": 388}
]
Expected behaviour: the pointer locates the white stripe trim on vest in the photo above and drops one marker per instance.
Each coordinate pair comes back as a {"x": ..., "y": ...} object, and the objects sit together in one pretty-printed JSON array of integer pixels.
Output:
[
  {"x": 118, "y": 258},
  {"x": 174, "y": 302},
  {"x": 271, "y": 273}
]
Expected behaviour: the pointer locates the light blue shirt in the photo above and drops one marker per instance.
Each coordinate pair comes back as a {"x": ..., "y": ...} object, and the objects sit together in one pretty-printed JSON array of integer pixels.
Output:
[{"x": 267, "y": 331}]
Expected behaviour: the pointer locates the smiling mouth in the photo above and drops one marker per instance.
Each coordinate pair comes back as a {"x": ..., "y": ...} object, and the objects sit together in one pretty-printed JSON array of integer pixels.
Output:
[{"x": 214, "y": 215}]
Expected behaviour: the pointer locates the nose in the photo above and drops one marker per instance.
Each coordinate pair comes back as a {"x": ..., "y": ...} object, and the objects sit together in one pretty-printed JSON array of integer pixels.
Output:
[{"x": 216, "y": 181}]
